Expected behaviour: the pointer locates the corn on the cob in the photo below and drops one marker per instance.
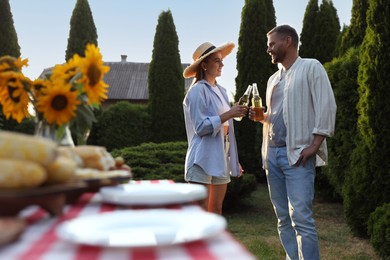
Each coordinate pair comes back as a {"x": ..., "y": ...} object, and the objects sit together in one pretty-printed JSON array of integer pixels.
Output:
[
  {"x": 21, "y": 173},
  {"x": 27, "y": 147}
]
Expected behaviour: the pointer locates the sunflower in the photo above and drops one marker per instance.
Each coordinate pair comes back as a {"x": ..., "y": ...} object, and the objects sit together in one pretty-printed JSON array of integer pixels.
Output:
[
  {"x": 67, "y": 70},
  {"x": 58, "y": 105},
  {"x": 93, "y": 72},
  {"x": 38, "y": 86},
  {"x": 11, "y": 63},
  {"x": 13, "y": 96}
]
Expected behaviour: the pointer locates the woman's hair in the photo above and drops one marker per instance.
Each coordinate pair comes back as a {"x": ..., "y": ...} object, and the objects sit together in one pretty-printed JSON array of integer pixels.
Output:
[{"x": 200, "y": 73}]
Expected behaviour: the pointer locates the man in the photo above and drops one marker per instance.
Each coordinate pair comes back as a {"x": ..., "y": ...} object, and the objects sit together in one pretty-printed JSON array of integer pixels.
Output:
[{"x": 301, "y": 114}]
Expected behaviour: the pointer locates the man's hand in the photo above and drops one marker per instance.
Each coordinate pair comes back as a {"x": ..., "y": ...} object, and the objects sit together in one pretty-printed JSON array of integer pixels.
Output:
[{"x": 310, "y": 151}]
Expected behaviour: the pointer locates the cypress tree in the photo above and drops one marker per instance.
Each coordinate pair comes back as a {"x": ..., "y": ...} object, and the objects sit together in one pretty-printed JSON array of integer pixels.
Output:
[
  {"x": 8, "y": 38},
  {"x": 320, "y": 31},
  {"x": 166, "y": 83},
  {"x": 254, "y": 66},
  {"x": 328, "y": 30},
  {"x": 82, "y": 30},
  {"x": 309, "y": 29},
  {"x": 368, "y": 183},
  {"x": 354, "y": 34}
]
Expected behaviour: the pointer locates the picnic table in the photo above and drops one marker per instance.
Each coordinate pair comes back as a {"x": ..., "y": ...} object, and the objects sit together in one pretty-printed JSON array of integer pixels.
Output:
[{"x": 40, "y": 239}]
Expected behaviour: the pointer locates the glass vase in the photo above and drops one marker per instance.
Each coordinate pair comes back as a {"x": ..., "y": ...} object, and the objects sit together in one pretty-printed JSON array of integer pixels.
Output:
[{"x": 62, "y": 137}]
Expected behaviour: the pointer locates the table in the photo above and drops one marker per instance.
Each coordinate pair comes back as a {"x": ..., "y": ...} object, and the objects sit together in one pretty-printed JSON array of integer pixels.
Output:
[{"x": 39, "y": 240}]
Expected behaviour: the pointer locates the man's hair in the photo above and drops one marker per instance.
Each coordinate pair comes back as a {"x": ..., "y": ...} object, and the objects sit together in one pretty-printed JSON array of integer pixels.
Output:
[{"x": 285, "y": 31}]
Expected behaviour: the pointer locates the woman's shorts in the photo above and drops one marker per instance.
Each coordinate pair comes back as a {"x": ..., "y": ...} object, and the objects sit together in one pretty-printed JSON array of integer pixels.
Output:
[{"x": 196, "y": 174}]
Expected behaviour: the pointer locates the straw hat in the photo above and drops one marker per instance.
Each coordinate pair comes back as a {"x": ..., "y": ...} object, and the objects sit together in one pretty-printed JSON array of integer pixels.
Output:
[{"x": 204, "y": 50}]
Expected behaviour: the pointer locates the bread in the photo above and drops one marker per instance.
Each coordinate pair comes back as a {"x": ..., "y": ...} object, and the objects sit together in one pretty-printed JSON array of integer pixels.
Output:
[
  {"x": 16, "y": 173},
  {"x": 61, "y": 170},
  {"x": 69, "y": 152},
  {"x": 95, "y": 157},
  {"x": 88, "y": 174},
  {"x": 27, "y": 147}
]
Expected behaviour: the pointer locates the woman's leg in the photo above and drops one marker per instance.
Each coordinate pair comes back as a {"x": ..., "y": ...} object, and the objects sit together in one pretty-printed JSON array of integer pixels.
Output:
[
  {"x": 216, "y": 197},
  {"x": 204, "y": 202}
]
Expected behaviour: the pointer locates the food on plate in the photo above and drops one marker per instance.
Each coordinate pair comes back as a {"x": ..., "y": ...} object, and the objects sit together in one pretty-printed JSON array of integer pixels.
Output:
[
  {"x": 21, "y": 173},
  {"x": 95, "y": 157},
  {"x": 69, "y": 152},
  {"x": 61, "y": 170},
  {"x": 30, "y": 161},
  {"x": 88, "y": 173},
  {"x": 119, "y": 161},
  {"x": 27, "y": 147}
]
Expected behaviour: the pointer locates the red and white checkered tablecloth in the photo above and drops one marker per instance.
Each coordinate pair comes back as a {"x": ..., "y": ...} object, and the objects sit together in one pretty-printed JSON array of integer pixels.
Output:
[{"x": 39, "y": 239}]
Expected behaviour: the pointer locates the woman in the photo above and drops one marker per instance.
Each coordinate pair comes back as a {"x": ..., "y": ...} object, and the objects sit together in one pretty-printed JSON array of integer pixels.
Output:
[{"x": 212, "y": 153}]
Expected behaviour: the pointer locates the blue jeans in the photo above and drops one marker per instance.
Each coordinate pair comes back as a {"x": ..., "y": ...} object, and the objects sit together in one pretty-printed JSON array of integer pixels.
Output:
[{"x": 291, "y": 189}]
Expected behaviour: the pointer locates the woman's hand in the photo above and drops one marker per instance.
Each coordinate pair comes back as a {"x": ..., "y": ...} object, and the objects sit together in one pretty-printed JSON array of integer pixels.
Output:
[
  {"x": 241, "y": 171},
  {"x": 235, "y": 111},
  {"x": 239, "y": 110}
]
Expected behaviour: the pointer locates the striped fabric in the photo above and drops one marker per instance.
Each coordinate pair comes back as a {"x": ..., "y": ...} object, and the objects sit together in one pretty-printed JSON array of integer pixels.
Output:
[
  {"x": 309, "y": 108},
  {"x": 39, "y": 240}
]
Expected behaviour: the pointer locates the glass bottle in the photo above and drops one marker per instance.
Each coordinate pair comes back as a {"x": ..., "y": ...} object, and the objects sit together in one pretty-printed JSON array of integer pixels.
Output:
[
  {"x": 244, "y": 100},
  {"x": 257, "y": 104}
]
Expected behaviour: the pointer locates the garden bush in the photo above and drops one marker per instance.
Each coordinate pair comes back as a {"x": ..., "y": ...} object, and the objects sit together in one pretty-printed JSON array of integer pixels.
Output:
[
  {"x": 342, "y": 74},
  {"x": 379, "y": 230},
  {"x": 166, "y": 161},
  {"x": 27, "y": 126},
  {"x": 121, "y": 125}
]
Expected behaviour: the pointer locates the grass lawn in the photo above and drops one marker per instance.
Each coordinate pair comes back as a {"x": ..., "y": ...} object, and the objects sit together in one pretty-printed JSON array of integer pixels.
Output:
[{"x": 253, "y": 222}]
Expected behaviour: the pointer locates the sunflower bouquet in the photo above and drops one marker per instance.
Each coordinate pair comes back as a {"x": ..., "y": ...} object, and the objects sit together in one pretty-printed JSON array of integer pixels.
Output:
[{"x": 65, "y": 97}]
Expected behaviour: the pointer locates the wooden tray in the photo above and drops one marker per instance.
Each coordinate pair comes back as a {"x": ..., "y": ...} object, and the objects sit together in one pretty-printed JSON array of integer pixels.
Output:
[
  {"x": 52, "y": 198},
  {"x": 94, "y": 185}
]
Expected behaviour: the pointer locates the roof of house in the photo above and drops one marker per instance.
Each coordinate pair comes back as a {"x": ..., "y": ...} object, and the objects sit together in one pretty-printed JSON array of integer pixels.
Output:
[{"x": 128, "y": 80}]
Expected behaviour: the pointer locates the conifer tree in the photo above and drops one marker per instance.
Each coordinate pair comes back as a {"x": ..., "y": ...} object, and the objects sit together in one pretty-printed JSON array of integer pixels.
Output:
[
  {"x": 309, "y": 29},
  {"x": 8, "y": 37},
  {"x": 8, "y": 40},
  {"x": 166, "y": 83},
  {"x": 82, "y": 30},
  {"x": 320, "y": 31},
  {"x": 254, "y": 66},
  {"x": 368, "y": 183},
  {"x": 328, "y": 30},
  {"x": 354, "y": 34}
]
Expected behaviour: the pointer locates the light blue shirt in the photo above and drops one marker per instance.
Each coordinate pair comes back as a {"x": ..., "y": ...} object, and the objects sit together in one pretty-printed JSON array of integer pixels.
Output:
[{"x": 205, "y": 132}]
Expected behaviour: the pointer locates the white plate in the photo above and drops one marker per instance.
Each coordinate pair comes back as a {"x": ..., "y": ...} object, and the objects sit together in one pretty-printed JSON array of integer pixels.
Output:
[
  {"x": 153, "y": 194},
  {"x": 142, "y": 228}
]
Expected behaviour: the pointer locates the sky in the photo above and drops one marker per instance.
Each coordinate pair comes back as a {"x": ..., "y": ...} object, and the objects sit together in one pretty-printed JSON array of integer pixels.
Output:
[{"x": 127, "y": 27}]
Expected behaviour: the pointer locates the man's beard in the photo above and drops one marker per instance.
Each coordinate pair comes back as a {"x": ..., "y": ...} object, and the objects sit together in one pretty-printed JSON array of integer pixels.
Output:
[{"x": 278, "y": 57}]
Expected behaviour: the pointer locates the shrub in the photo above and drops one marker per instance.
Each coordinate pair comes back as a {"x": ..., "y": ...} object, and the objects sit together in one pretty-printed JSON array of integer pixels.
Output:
[
  {"x": 368, "y": 181},
  {"x": 27, "y": 126},
  {"x": 379, "y": 230},
  {"x": 166, "y": 161},
  {"x": 342, "y": 74},
  {"x": 121, "y": 125}
]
